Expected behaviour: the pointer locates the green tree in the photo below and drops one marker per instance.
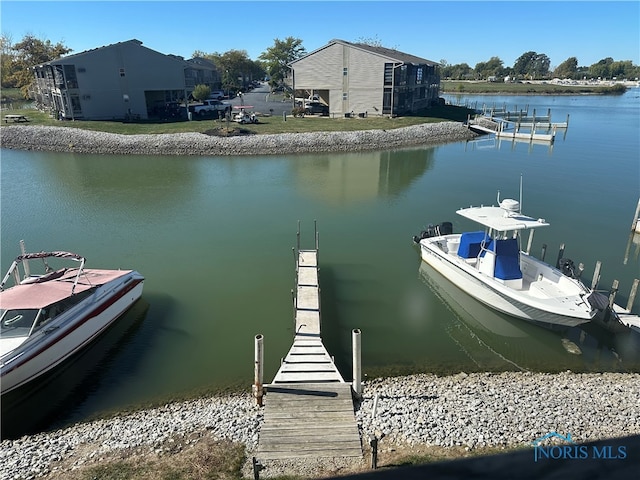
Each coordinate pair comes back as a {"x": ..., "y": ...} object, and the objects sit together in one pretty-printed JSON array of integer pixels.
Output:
[
  {"x": 6, "y": 60},
  {"x": 567, "y": 69},
  {"x": 201, "y": 92},
  {"x": 493, "y": 67},
  {"x": 623, "y": 69},
  {"x": 602, "y": 69},
  {"x": 461, "y": 71},
  {"x": 277, "y": 58},
  {"x": 235, "y": 67},
  {"x": 532, "y": 65},
  {"x": 25, "y": 54}
]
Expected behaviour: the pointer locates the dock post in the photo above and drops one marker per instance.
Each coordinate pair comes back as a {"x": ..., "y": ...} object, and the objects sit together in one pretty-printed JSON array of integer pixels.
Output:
[
  {"x": 258, "y": 390},
  {"x": 596, "y": 275},
  {"x": 560, "y": 254},
  {"x": 613, "y": 292},
  {"x": 357, "y": 361},
  {"x": 632, "y": 294},
  {"x": 634, "y": 224}
]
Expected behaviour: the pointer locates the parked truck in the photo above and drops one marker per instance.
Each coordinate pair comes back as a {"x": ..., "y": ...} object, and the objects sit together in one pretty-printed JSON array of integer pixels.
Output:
[{"x": 210, "y": 108}]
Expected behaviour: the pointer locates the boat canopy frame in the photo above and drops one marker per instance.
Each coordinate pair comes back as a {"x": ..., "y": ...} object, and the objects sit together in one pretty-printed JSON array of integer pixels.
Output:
[{"x": 49, "y": 272}]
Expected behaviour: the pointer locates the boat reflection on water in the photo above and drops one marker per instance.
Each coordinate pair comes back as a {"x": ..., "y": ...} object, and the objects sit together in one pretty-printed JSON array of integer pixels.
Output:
[
  {"x": 47, "y": 401},
  {"x": 497, "y": 342}
]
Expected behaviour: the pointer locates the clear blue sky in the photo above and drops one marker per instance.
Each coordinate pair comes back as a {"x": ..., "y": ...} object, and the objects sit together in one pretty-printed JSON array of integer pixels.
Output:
[{"x": 456, "y": 31}]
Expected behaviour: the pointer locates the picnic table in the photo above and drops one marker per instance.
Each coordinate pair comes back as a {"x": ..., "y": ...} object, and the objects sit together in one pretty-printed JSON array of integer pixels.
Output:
[{"x": 15, "y": 118}]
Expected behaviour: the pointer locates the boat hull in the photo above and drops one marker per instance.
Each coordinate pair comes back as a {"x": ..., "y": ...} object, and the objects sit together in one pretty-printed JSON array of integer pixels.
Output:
[
  {"x": 36, "y": 357},
  {"x": 488, "y": 294}
]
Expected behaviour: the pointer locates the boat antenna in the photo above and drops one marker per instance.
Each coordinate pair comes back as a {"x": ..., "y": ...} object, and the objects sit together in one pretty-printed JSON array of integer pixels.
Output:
[{"x": 520, "y": 193}]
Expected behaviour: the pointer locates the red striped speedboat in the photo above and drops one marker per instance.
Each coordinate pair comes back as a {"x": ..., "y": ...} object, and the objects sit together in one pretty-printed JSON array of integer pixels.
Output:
[{"x": 45, "y": 318}]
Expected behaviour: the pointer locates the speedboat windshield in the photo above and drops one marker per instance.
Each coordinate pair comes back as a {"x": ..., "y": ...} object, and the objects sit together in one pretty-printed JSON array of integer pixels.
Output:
[{"x": 17, "y": 322}]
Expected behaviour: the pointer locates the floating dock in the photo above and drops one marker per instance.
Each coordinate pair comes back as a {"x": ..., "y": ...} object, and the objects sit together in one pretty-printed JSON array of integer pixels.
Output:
[
  {"x": 509, "y": 124},
  {"x": 309, "y": 408}
]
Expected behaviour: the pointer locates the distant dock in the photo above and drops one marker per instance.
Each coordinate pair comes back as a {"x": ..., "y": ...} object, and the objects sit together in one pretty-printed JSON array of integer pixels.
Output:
[{"x": 516, "y": 124}]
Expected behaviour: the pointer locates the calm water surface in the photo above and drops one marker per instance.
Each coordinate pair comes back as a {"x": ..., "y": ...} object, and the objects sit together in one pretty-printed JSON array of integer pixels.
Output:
[{"x": 214, "y": 236}]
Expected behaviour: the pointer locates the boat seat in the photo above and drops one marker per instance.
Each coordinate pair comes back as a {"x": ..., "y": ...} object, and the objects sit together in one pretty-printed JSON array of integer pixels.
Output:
[
  {"x": 471, "y": 244},
  {"x": 507, "y": 259}
]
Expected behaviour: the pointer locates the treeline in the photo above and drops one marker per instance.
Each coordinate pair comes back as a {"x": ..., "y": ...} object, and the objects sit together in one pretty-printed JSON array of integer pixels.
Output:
[{"x": 536, "y": 66}]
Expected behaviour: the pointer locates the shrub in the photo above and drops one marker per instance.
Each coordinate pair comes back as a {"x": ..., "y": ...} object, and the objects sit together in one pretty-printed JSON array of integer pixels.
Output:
[{"x": 297, "y": 111}]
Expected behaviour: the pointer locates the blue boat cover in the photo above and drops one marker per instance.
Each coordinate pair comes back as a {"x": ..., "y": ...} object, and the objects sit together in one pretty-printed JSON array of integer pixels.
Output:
[
  {"x": 507, "y": 259},
  {"x": 470, "y": 243}
]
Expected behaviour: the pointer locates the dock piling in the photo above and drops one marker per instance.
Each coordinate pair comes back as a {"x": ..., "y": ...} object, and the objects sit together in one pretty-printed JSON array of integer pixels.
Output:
[
  {"x": 613, "y": 292},
  {"x": 258, "y": 389},
  {"x": 560, "y": 255},
  {"x": 632, "y": 294},
  {"x": 596, "y": 275},
  {"x": 357, "y": 361},
  {"x": 636, "y": 217}
]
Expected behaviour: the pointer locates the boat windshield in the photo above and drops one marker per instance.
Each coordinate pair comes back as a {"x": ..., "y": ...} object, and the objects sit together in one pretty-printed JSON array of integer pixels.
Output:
[{"x": 18, "y": 322}]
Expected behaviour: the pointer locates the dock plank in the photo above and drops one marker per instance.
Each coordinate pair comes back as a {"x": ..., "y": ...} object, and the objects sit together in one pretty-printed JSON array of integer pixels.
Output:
[
  {"x": 309, "y": 420},
  {"x": 308, "y": 298},
  {"x": 308, "y": 276},
  {"x": 308, "y": 258}
]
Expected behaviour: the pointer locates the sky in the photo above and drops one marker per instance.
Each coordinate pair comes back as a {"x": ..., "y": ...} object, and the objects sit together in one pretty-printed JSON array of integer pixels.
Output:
[{"x": 455, "y": 31}]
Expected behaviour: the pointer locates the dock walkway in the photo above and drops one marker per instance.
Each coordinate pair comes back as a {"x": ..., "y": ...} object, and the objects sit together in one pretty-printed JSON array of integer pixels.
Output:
[{"x": 308, "y": 405}]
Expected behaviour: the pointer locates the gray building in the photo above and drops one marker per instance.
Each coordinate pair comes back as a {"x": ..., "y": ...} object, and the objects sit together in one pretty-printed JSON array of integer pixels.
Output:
[
  {"x": 359, "y": 78},
  {"x": 124, "y": 80}
]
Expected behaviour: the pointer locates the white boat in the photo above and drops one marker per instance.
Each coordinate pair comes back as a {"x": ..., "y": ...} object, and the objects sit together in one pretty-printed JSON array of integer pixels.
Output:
[
  {"x": 491, "y": 266},
  {"x": 46, "y": 318}
]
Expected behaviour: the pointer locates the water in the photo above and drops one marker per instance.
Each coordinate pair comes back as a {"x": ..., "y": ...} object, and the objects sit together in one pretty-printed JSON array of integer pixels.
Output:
[{"x": 214, "y": 236}]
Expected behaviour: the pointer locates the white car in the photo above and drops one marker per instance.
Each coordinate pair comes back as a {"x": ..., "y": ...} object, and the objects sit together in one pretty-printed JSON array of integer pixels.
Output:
[{"x": 217, "y": 95}]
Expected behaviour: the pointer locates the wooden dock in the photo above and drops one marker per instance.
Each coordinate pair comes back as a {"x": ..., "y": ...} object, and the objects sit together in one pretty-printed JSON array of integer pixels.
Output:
[
  {"x": 308, "y": 405},
  {"x": 500, "y": 129}
]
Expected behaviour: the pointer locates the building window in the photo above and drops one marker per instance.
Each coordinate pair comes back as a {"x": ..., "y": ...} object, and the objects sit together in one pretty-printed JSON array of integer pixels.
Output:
[
  {"x": 122, "y": 72},
  {"x": 344, "y": 96},
  {"x": 75, "y": 104},
  {"x": 344, "y": 71},
  {"x": 419, "y": 75},
  {"x": 70, "y": 76},
  {"x": 388, "y": 74}
]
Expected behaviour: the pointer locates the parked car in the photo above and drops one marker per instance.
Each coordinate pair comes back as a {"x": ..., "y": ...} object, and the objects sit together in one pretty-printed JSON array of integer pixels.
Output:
[
  {"x": 210, "y": 107},
  {"x": 217, "y": 95},
  {"x": 316, "y": 107}
]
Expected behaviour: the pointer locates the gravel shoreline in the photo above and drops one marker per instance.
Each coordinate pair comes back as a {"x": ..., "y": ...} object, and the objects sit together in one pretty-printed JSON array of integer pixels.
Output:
[
  {"x": 68, "y": 139},
  {"x": 504, "y": 410}
]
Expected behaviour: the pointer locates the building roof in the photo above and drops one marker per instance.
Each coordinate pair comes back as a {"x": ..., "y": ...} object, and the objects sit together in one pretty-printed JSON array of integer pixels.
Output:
[
  {"x": 391, "y": 54},
  {"x": 133, "y": 42}
]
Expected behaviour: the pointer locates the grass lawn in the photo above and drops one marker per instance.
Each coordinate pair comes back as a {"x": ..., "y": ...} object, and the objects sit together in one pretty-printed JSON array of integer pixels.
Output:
[{"x": 267, "y": 125}]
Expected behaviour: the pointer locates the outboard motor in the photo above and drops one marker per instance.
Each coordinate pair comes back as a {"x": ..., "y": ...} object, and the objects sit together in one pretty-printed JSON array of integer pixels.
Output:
[
  {"x": 567, "y": 267},
  {"x": 445, "y": 228}
]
